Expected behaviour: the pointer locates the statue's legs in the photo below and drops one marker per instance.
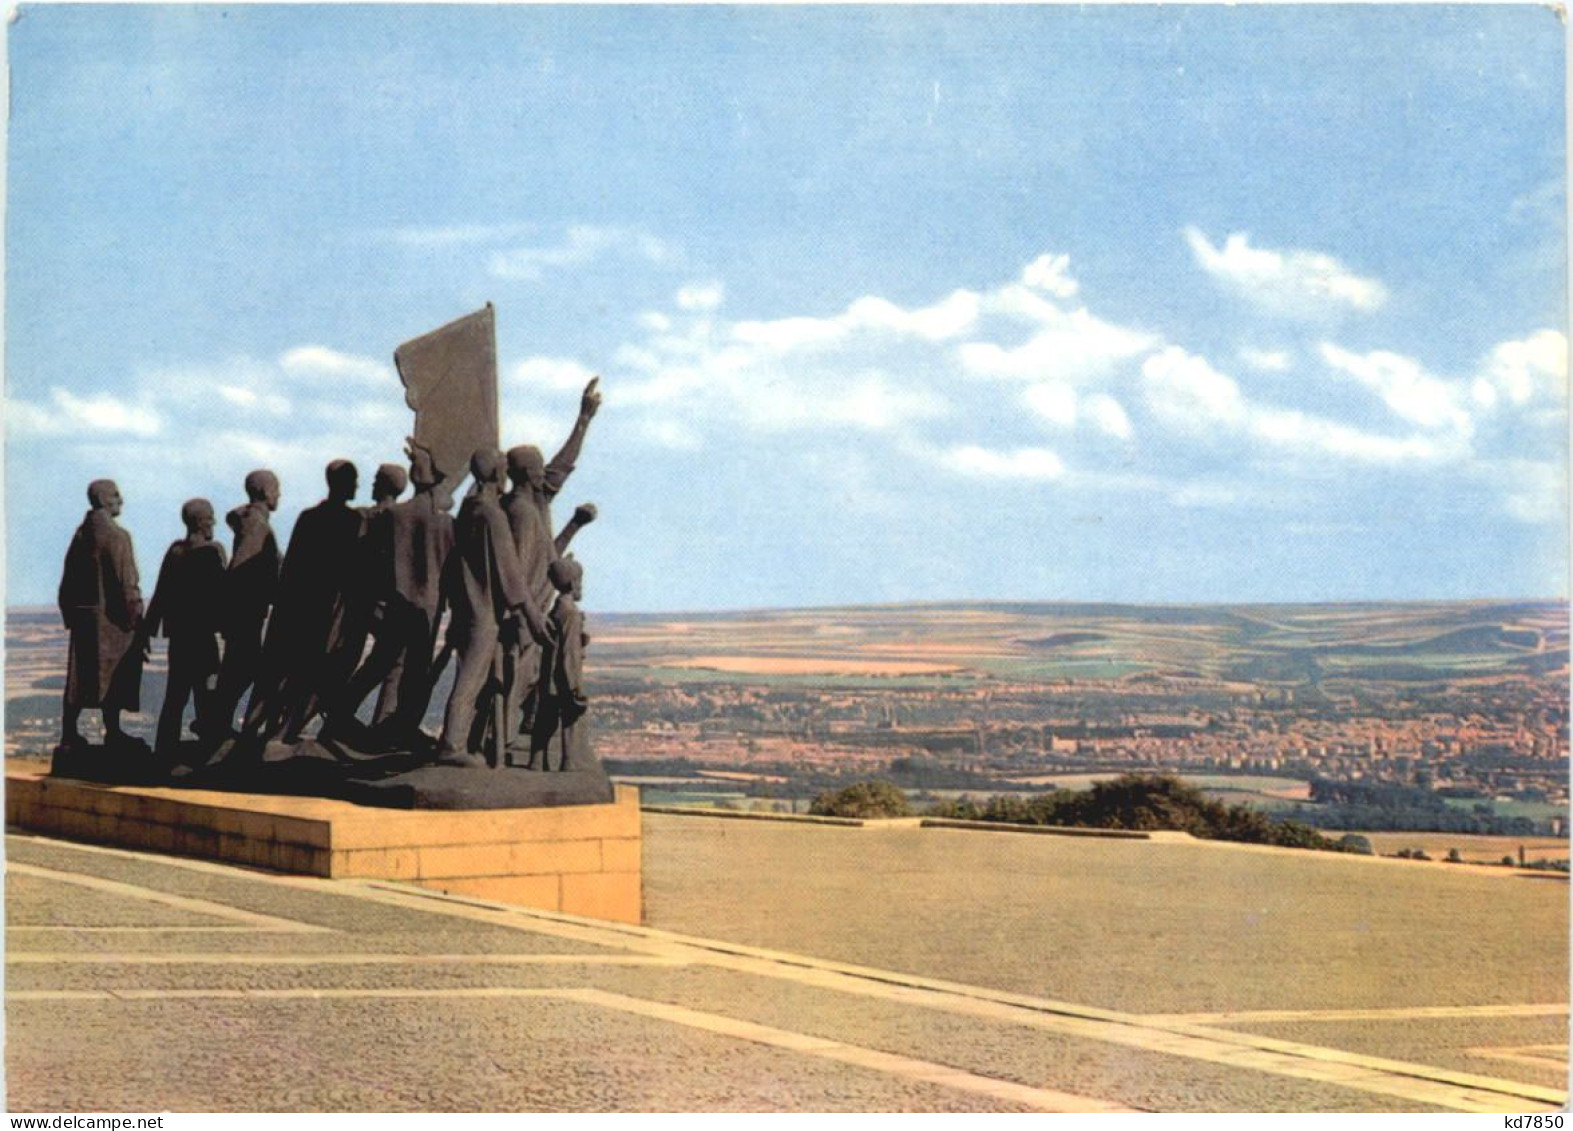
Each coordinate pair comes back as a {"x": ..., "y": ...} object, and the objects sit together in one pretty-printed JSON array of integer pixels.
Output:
[
  {"x": 204, "y": 666},
  {"x": 242, "y": 658},
  {"x": 407, "y": 703},
  {"x": 263, "y": 711},
  {"x": 544, "y": 733},
  {"x": 71, "y": 701},
  {"x": 525, "y": 664},
  {"x": 475, "y": 662},
  {"x": 70, "y": 725},
  {"x": 181, "y": 683},
  {"x": 384, "y": 665},
  {"x": 112, "y": 729},
  {"x": 373, "y": 671}
]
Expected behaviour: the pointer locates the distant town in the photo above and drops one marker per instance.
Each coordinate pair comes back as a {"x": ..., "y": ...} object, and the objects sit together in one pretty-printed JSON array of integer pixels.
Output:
[{"x": 1449, "y": 716}]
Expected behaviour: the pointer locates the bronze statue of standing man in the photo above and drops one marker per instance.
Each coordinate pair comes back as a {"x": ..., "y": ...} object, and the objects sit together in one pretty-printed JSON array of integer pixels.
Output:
[
  {"x": 101, "y": 604},
  {"x": 250, "y": 586},
  {"x": 489, "y": 596},
  {"x": 529, "y": 509},
  {"x": 186, "y": 606},
  {"x": 415, "y": 537}
]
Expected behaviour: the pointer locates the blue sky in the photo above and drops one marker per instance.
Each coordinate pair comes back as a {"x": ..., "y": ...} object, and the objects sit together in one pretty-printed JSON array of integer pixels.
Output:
[{"x": 1134, "y": 304}]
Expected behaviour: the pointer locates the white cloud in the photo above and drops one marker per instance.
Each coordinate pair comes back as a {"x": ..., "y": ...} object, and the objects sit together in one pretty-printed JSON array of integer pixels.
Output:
[
  {"x": 1267, "y": 361},
  {"x": 1060, "y": 405},
  {"x": 24, "y": 418},
  {"x": 375, "y": 417},
  {"x": 1071, "y": 346},
  {"x": 870, "y": 401},
  {"x": 673, "y": 434},
  {"x": 701, "y": 296},
  {"x": 1018, "y": 463},
  {"x": 1533, "y": 369},
  {"x": 1302, "y": 432},
  {"x": 1067, "y": 343},
  {"x": 581, "y": 244},
  {"x": 1107, "y": 415},
  {"x": 273, "y": 404},
  {"x": 1054, "y": 401},
  {"x": 557, "y": 374},
  {"x": 948, "y": 318},
  {"x": 1407, "y": 389},
  {"x": 667, "y": 384},
  {"x": 877, "y": 403},
  {"x": 782, "y": 334},
  {"x": 322, "y": 361},
  {"x": 312, "y": 404},
  {"x": 522, "y": 426},
  {"x": 1291, "y": 283},
  {"x": 1051, "y": 273},
  {"x": 1534, "y": 492},
  {"x": 725, "y": 376},
  {"x": 1188, "y": 393},
  {"x": 876, "y": 366},
  {"x": 72, "y": 417},
  {"x": 106, "y": 413}
]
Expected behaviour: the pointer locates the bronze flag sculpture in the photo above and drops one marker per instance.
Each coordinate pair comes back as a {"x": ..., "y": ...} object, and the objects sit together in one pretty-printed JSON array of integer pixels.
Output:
[{"x": 450, "y": 380}]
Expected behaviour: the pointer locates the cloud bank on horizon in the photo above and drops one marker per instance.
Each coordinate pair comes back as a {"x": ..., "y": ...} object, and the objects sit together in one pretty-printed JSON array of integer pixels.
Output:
[{"x": 1248, "y": 416}]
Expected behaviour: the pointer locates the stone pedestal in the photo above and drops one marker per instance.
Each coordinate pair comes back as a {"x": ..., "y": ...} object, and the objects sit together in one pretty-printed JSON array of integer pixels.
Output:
[{"x": 583, "y": 859}]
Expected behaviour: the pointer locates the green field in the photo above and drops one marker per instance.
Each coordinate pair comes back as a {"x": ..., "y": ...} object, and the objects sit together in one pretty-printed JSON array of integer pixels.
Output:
[{"x": 1534, "y": 810}]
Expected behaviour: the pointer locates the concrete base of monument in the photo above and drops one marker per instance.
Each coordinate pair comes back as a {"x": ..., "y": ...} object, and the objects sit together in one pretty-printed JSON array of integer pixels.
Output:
[
  {"x": 457, "y": 787},
  {"x": 583, "y": 859},
  {"x": 313, "y": 767}
]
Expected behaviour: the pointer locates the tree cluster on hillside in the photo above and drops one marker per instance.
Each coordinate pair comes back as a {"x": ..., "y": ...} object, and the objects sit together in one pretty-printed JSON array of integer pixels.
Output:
[
  {"x": 1385, "y": 806},
  {"x": 868, "y": 799},
  {"x": 1141, "y": 802}
]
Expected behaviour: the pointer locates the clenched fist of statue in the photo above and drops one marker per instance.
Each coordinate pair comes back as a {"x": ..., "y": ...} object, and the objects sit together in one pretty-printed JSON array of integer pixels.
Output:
[{"x": 591, "y": 401}]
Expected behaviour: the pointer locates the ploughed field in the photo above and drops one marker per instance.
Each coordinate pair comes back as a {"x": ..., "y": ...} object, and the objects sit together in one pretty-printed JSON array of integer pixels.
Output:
[
  {"x": 1254, "y": 644},
  {"x": 1472, "y": 849}
]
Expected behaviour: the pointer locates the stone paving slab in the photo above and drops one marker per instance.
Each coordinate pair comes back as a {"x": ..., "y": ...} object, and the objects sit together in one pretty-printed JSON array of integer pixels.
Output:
[
  {"x": 39, "y": 902},
  {"x": 514, "y": 1054},
  {"x": 358, "y": 924},
  {"x": 1141, "y": 926},
  {"x": 1533, "y": 1049},
  {"x": 391, "y": 994},
  {"x": 1146, "y": 1079}
]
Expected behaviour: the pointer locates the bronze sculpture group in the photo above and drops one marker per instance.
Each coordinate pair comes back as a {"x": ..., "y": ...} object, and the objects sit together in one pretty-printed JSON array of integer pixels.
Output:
[{"x": 295, "y": 627}]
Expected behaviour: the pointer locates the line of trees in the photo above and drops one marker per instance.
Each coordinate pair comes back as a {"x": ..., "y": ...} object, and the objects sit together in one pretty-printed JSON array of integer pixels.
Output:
[
  {"x": 1139, "y": 802},
  {"x": 1388, "y": 807}
]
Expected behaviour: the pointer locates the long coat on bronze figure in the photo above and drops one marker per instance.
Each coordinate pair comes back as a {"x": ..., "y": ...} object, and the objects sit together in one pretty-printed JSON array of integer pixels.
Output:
[
  {"x": 101, "y": 603},
  {"x": 409, "y": 544},
  {"x": 305, "y": 658},
  {"x": 250, "y": 586},
  {"x": 559, "y": 735},
  {"x": 486, "y": 584},
  {"x": 529, "y": 509},
  {"x": 186, "y": 608}
]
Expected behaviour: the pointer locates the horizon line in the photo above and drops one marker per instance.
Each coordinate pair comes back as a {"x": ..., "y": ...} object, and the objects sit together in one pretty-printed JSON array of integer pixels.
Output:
[{"x": 998, "y": 602}]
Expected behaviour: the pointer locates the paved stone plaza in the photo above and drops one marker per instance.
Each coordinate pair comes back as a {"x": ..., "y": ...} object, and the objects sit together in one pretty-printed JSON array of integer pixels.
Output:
[{"x": 790, "y": 967}]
